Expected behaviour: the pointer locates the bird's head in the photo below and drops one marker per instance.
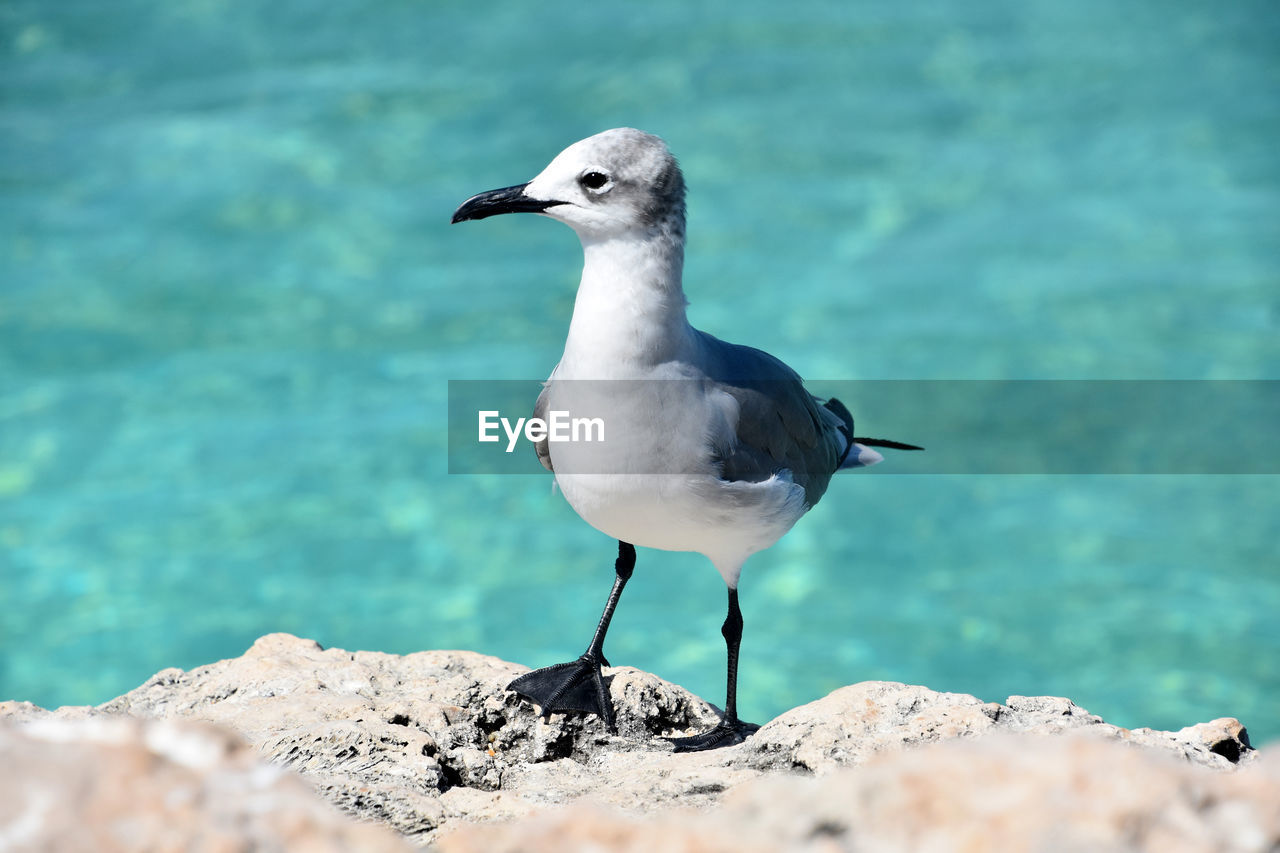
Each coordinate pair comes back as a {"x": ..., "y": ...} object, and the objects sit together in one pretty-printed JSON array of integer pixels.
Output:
[{"x": 617, "y": 182}]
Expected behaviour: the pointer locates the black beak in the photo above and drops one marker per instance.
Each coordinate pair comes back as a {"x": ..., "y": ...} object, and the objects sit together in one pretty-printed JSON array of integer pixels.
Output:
[{"x": 505, "y": 200}]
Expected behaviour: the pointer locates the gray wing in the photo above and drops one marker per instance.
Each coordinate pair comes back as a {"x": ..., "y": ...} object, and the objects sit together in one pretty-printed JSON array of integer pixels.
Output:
[
  {"x": 780, "y": 424},
  {"x": 542, "y": 447}
]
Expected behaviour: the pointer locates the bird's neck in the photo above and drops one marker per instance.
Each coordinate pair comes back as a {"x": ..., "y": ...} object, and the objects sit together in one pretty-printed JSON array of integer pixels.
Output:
[{"x": 630, "y": 310}]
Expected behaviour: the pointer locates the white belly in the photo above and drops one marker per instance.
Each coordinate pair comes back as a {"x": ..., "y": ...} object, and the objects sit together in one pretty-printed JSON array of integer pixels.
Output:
[{"x": 653, "y": 480}]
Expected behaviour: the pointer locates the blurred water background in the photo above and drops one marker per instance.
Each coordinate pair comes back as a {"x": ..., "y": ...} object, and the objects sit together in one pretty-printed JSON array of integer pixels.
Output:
[{"x": 230, "y": 304}]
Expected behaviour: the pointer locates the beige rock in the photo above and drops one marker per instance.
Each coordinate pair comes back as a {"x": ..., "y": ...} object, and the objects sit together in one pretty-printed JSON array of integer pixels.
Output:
[
  {"x": 851, "y": 724},
  {"x": 120, "y": 784},
  {"x": 430, "y": 742},
  {"x": 1079, "y": 792}
]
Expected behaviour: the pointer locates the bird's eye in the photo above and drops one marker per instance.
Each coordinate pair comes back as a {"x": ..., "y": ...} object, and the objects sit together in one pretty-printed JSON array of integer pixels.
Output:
[{"x": 594, "y": 180}]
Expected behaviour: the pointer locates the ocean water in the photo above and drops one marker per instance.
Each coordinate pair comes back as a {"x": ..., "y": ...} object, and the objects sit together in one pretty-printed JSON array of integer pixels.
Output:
[{"x": 231, "y": 304}]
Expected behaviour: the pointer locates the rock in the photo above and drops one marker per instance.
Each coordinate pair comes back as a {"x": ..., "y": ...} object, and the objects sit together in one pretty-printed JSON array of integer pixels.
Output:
[
  {"x": 1003, "y": 792},
  {"x": 431, "y": 743},
  {"x": 385, "y": 736},
  {"x": 117, "y": 783},
  {"x": 853, "y": 723}
]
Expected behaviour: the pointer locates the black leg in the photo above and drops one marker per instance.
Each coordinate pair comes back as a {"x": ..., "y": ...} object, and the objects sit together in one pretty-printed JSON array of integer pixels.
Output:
[
  {"x": 579, "y": 685},
  {"x": 622, "y": 568},
  {"x": 730, "y": 729},
  {"x": 731, "y": 630}
]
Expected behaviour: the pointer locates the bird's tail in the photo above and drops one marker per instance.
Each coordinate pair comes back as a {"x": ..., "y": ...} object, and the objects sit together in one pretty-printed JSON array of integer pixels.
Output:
[{"x": 857, "y": 450}]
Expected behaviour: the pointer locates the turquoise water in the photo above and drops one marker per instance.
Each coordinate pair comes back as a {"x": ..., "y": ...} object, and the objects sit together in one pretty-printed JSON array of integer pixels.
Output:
[{"x": 230, "y": 305}]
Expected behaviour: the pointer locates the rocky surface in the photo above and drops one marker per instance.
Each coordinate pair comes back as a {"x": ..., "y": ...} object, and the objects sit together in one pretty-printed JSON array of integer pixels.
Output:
[
  {"x": 1006, "y": 792},
  {"x": 431, "y": 744},
  {"x": 107, "y": 783}
]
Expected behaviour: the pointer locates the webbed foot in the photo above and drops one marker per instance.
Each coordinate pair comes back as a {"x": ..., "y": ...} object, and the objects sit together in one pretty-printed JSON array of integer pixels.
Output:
[
  {"x": 574, "y": 686},
  {"x": 728, "y": 732}
]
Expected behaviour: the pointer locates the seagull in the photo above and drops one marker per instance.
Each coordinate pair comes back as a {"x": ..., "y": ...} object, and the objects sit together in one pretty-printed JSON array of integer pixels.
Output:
[{"x": 714, "y": 447}]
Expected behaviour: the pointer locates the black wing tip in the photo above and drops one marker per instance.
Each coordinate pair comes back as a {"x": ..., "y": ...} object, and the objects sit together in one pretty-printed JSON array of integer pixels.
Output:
[{"x": 885, "y": 442}]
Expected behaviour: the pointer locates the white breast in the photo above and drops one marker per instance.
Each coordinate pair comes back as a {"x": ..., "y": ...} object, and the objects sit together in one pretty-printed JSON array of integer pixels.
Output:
[{"x": 654, "y": 481}]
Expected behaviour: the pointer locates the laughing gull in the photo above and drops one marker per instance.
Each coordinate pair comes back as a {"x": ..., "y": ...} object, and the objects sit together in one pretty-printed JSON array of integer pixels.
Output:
[{"x": 744, "y": 449}]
